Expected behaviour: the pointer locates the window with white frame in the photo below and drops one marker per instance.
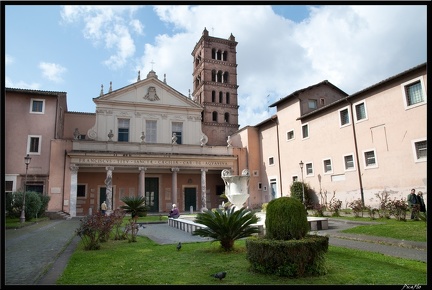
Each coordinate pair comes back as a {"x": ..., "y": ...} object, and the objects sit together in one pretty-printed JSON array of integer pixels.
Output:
[
  {"x": 327, "y": 166},
  {"x": 309, "y": 169},
  {"x": 177, "y": 128},
  {"x": 37, "y": 106},
  {"x": 34, "y": 144},
  {"x": 312, "y": 104},
  {"x": 151, "y": 131},
  {"x": 295, "y": 178},
  {"x": 123, "y": 130},
  {"x": 370, "y": 159},
  {"x": 414, "y": 92},
  {"x": 349, "y": 162},
  {"x": 290, "y": 135},
  {"x": 344, "y": 117},
  {"x": 360, "y": 111},
  {"x": 420, "y": 150},
  {"x": 271, "y": 160},
  {"x": 305, "y": 131}
]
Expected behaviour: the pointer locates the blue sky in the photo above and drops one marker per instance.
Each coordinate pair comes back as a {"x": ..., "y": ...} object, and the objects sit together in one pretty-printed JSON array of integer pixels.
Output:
[{"x": 281, "y": 48}]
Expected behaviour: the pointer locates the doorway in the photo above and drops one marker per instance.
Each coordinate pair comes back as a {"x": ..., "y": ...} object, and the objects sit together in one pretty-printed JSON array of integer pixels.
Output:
[
  {"x": 152, "y": 193},
  {"x": 190, "y": 198}
]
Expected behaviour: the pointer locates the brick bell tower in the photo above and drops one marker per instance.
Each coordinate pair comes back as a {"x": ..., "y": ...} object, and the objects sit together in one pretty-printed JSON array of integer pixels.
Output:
[{"x": 215, "y": 86}]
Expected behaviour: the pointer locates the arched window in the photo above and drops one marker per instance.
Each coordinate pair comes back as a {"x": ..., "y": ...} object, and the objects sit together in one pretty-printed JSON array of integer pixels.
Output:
[
  {"x": 225, "y": 77},
  {"x": 219, "y": 77},
  {"x": 213, "y": 53},
  {"x": 219, "y": 55},
  {"x": 224, "y": 56},
  {"x": 226, "y": 117},
  {"x": 227, "y": 97},
  {"x": 214, "y": 116},
  {"x": 213, "y": 75},
  {"x": 213, "y": 96},
  {"x": 220, "y": 97}
]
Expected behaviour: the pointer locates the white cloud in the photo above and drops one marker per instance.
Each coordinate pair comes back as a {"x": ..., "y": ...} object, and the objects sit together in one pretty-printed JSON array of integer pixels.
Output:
[
  {"x": 21, "y": 84},
  {"x": 52, "y": 71},
  {"x": 107, "y": 25}
]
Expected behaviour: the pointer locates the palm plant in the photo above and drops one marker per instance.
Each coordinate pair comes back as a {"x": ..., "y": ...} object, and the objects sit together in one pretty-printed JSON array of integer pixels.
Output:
[
  {"x": 135, "y": 205},
  {"x": 227, "y": 226}
]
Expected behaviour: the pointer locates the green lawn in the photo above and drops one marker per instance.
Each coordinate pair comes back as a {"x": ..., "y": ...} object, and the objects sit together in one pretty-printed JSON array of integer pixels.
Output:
[{"x": 147, "y": 263}]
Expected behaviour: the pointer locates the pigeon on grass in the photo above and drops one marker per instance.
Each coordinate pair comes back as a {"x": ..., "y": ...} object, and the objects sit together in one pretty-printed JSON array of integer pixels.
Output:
[
  {"x": 219, "y": 275},
  {"x": 179, "y": 246}
]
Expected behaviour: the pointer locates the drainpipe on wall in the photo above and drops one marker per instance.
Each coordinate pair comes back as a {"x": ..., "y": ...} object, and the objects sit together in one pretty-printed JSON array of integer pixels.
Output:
[
  {"x": 357, "y": 154},
  {"x": 64, "y": 179},
  {"x": 278, "y": 151}
]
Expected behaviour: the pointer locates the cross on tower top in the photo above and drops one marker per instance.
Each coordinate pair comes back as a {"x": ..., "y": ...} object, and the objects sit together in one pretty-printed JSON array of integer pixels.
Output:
[{"x": 152, "y": 63}]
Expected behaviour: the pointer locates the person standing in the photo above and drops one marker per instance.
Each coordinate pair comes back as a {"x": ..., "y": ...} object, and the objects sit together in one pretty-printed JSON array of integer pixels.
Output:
[
  {"x": 103, "y": 207},
  {"x": 412, "y": 203},
  {"x": 421, "y": 203}
]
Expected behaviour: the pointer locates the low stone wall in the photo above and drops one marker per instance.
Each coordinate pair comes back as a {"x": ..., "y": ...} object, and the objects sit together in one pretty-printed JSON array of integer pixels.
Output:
[{"x": 187, "y": 225}]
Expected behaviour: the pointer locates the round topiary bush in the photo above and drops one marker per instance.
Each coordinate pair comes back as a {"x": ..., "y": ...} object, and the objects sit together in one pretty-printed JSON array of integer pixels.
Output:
[
  {"x": 286, "y": 219},
  {"x": 287, "y": 249}
]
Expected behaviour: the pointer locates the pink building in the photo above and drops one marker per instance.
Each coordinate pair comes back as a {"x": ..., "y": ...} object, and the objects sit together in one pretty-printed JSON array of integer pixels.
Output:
[{"x": 351, "y": 146}]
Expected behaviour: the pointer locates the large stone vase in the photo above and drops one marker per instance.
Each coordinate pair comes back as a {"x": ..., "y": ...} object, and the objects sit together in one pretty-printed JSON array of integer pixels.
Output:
[{"x": 236, "y": 187}]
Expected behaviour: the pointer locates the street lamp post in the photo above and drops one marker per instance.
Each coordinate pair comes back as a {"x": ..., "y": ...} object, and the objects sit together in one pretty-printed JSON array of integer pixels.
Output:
[
  {"x": 301, "y": 168},
  {"x": 27, "y": 160}
]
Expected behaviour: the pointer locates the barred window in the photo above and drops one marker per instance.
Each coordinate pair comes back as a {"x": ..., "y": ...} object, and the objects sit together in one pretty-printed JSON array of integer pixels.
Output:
[
  {"x": 414, "y": 93},
  {"x": 290, "y": 135},
  {"x": 370, "y": 158},
  {"x": 349, "y": 162},
  {"x": 327, "y": 165},
  {"x": 344, "y": 117},
  {"x": 360, "y": 110},
  {"x": 421, "y": 149}
]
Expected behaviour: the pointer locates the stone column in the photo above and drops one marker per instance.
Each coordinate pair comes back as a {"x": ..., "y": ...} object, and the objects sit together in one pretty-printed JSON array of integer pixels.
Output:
[
  {"x": 174, "y": 185},
  {"x": 141, "y": 186},
  {"x": 108, "y": 183},
  {"x": 73, "y": 190},
  {"x": 203, "y": 190}
]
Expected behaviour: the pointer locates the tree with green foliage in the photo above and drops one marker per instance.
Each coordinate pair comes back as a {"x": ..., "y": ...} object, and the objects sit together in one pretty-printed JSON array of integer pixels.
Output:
[
  {"x": 227, "y": 226},
  {"x": 286, "y": 219},
  {"x": 134, "y": 205},
  {"x": 36, "y": 204},
  {"x": 297, "y": 192}
]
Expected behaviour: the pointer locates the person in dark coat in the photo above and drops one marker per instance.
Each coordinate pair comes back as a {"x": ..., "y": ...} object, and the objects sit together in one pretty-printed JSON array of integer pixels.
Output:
[
  {"x": 412, "y": 203},
  {"x": 421, "y": 202}
]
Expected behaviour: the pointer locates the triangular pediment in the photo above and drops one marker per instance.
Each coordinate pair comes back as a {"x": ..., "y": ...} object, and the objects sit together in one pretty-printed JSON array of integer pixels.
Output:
[{"x": 149, "y": 92}]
